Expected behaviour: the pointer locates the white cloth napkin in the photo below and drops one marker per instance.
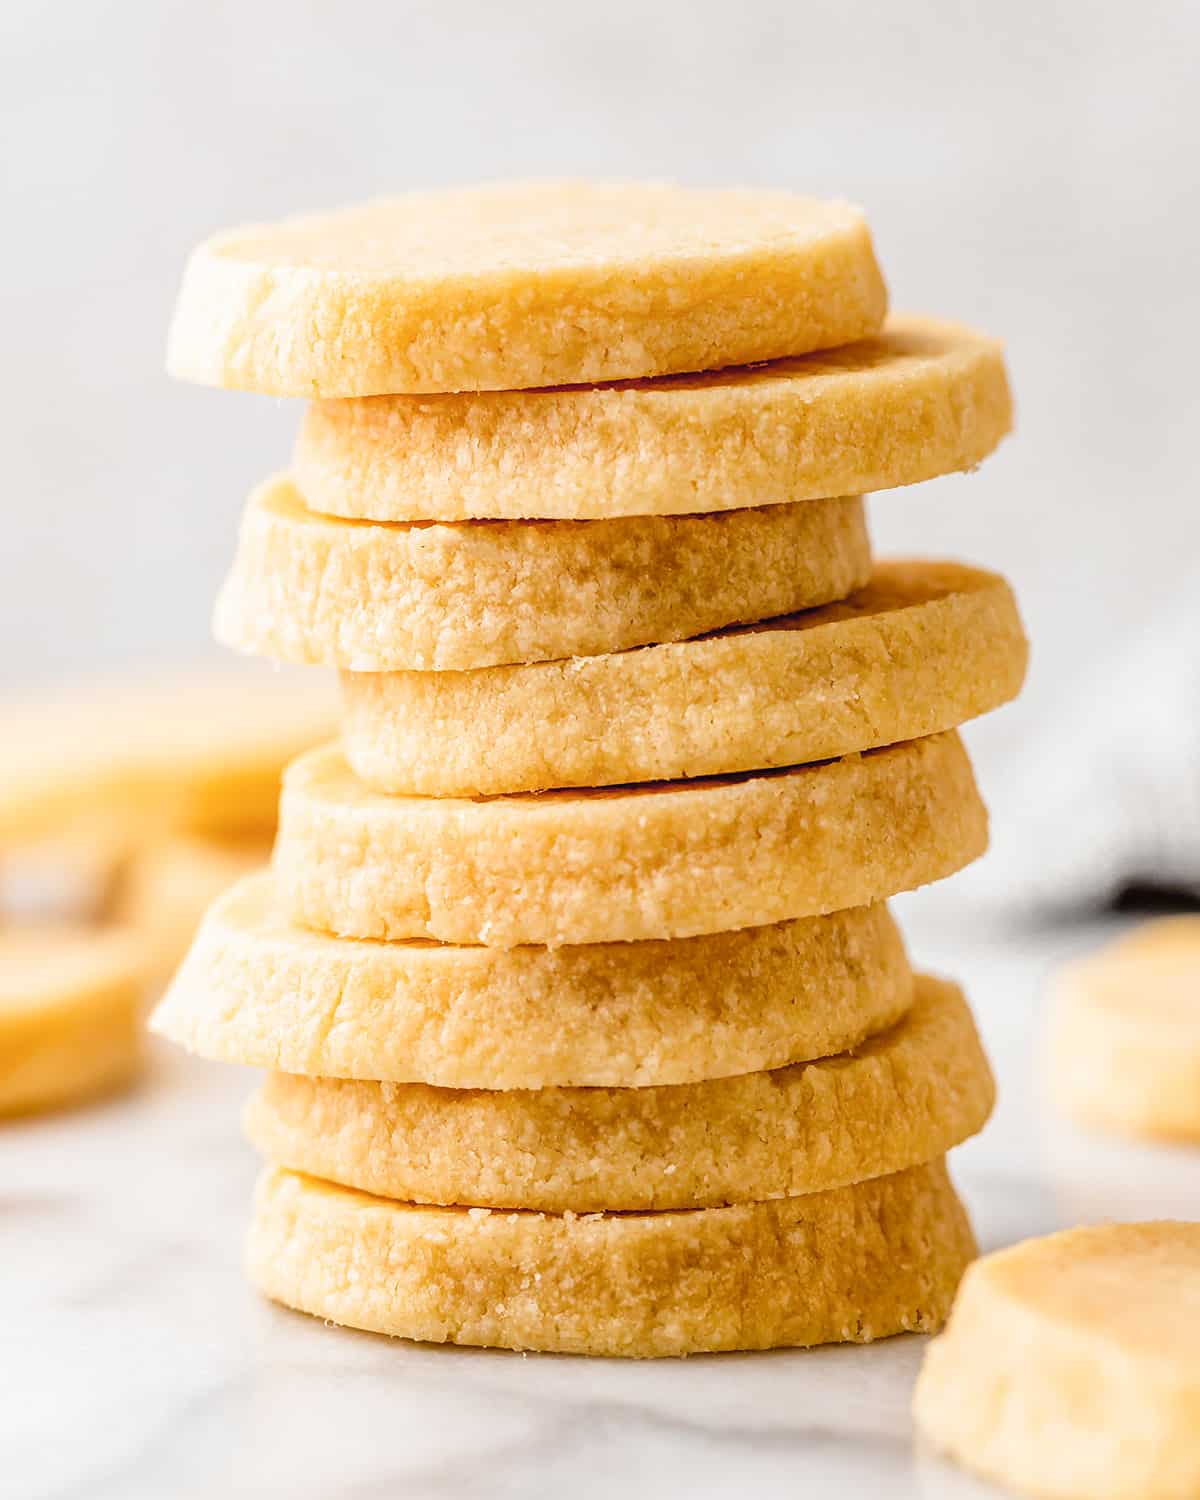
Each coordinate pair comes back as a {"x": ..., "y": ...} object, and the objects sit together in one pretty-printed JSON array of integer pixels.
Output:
[{"x": 1107, "y": 795}]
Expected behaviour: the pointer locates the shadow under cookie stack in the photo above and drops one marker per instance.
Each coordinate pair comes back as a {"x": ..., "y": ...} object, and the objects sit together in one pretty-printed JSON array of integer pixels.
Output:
[{"x": 587, "y": 1026}]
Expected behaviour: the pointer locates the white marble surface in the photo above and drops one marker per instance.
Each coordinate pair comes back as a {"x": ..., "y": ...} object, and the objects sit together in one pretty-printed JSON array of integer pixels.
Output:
[{"x": 136, "y": 1363}]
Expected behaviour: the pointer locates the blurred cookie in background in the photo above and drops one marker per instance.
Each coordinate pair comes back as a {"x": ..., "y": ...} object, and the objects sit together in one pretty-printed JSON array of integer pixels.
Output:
[
  {"x": 1124, "y": 1039},
  {"x": 125, "y": 808}
]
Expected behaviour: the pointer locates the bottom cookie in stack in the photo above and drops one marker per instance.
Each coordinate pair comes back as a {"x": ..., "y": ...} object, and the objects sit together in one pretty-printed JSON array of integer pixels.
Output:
[
  {"x": 802, "y": 1205},
  {"x": 852, "y": 1264}
]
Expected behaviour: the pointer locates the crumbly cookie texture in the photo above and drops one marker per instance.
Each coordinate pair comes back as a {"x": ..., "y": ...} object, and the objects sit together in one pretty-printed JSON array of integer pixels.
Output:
[
  {"x": 257, "y": 990},
  {"x": 432, "y": 597},
  {"x": 523, "y": 284},
  {"x": 1071, "y": 1366},
  {"x": 854, "y": 1264},
  {"x": 671, "y": 860},
  {"x": 200, "y": 751},
  {"x": 1124, "y": 1050},
  {"x": 920, "y": 399},
  {"x": 905, "y": 1097},
  {"x": 70, "y": 1014},
  {"x": 924, "y": 647}
]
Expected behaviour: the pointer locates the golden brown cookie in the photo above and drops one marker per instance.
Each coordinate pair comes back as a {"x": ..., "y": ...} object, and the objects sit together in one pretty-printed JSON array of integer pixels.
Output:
[
  {"x": 523, "y": 284},
  {"x": 1124, "y": 1048},
  {"x": 851, "y": 1265},
  {"x": 255, "y": 989},
  {"x": 1071, "y": 1366},
  {"x": 920, "y": 399},
  {"x": 671, "y": 860},
  {"x": 70, "y": 1013},
  {"x": 306, "y": 588},
  {"x": 200, "y": 751},
  {"x": 923, "y": 647},
  {"x": 904, "y": 1097}
]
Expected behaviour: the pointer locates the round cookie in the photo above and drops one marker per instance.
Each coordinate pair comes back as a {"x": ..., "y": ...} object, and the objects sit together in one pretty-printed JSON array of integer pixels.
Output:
[
  {"x": 428, "y": 597},
  {"x": 920, "y": 399},
  {"x": 672, "y": 860},
  {"x": 70, "y": 1013},
  {"x": 923, "y": 647},
  {"x": 854, "y": 1264},
  {"x": 256, "y": 990},
  {"x": 1124, "y": 1049},
  {"x": 1071, "y": 1366},
  {"x": 523, "y": 284},
  {"x": 200, "y": 751},
  {"x": 904, "y": 1097},
  {"x": 168, "y": 886}
]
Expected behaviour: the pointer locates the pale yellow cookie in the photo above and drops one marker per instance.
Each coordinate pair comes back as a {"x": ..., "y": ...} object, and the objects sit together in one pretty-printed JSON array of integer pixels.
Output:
[
  {"x": 1125, "y": 1034},
  {"x": 904, "y": 1097},
  {"x": 922, "y": 398},
  {"x": 70, "y": 1013},
  {"x": 1071, "y": 1366},
  {"x": 851, "y": 1265},
  {"x": 308, "y": 588},
  {"x": 197, "y": 750},
  {"x": 523, "y": 284},
  {"x": 168, "y": 886},
  {"x": 672, "y": 860},
  {"x": 923, "y": 647},
  {"x": 256, "y": 990}
]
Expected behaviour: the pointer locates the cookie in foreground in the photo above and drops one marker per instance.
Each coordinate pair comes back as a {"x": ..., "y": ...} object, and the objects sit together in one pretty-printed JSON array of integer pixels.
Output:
[
  {"x": 920, "y": 399},
  {"x": 854, "y": 1264},
  {"x": 922, "y": 647},
  {"x": 523, "y": 284},
  {"x": 673, "y": 859},
  {"x": 1070, "y": 1366},
  {"x": 257, "y": 989},
  {"x": 905, "y": 1096}
]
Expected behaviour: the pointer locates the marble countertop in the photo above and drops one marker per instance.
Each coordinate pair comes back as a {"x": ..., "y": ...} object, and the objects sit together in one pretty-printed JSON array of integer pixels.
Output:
[{"x": 137, "y": 1363}]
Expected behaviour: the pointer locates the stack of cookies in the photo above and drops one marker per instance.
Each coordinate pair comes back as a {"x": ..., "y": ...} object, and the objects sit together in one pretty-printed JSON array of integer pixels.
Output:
[{"x": 586, "y": 1024}]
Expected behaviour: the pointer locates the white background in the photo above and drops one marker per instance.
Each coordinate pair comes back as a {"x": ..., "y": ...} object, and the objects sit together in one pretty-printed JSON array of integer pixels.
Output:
[{"x": 1028, "y": 167}]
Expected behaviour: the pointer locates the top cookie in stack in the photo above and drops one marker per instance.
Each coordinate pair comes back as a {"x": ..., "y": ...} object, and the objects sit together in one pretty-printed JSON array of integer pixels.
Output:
[{"x": 636, "y": 733}]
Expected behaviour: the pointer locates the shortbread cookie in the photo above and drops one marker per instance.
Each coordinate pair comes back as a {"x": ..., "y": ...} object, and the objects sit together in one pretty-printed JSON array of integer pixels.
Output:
[
  {"x": 922, "y": 398},
  {"x": 201, "y": 751},
  {"x": 257, "y": 990},
  {"x": 1071, "y": 1366},
  {"x": 70, "y": 1013},
  {"x": 307, "y": 588},
  {"x": 923, "y": 647},
  {"x": 906, "y": 1096},
  {"x": 1125, "y": 1035},
  {"x": 523, "y": 284},
  {"x": 169, "y": 886},
  {"x": 665, "y": 861},
  {"x": 854, "y": 1264}
]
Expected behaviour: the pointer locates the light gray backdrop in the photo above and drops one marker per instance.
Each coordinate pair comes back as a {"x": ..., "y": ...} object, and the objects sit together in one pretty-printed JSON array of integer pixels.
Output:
[{"x": 1029, "y": 167}]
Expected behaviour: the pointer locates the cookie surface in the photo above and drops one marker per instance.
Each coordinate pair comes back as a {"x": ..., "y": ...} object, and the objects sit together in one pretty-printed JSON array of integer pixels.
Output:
[
  {"x": 1124, "y": 1048},
  {"x": 923, "y": 647},
  {"x": 1071, "y": 1366},
  {"x": 523, "y": 284},
  {"x": 70, "y": 1014},
  {"x": 430, "y": 597},
  {"x": 198, "y": 751},
  {"x": 256, "y": 990},
  {"x": 904, "y": 1097},
  {"x": 920, "y": 399},
  {"x": 853, "y": 1264},
  {"x": 671, "y": 860}
]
